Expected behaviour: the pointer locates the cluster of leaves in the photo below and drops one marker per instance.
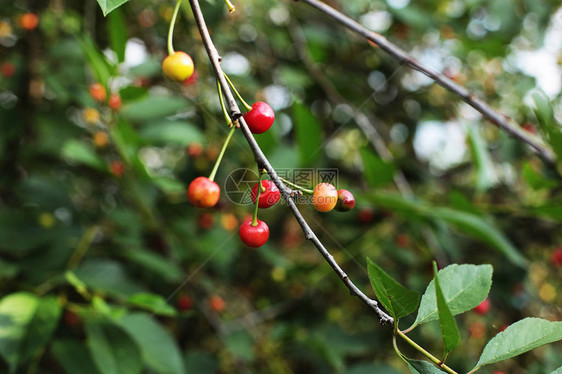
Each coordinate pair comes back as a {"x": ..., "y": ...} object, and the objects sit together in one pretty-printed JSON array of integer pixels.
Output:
[{"x": 94, "y": 263}]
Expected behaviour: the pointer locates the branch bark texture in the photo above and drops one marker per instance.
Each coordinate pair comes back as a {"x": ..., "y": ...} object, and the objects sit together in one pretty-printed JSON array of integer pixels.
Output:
[{"x": 263, "y": 162}]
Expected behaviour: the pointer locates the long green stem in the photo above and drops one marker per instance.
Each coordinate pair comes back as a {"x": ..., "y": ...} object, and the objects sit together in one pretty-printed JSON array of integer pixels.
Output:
[
  {"x": 219, "y": 159},
  {"x": 171, "y": 30},
  {"x": 255, "y": 217},
  {"x": 236, "y": 92},
  {"x": 305, "y": 190},
  {"x": 224, "y": 111},
  {"x": 431, "y": 357}
]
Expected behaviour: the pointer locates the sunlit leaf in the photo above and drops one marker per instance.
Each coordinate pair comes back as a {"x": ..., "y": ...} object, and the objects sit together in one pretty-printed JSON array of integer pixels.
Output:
[{"x": 449, "y": 329}]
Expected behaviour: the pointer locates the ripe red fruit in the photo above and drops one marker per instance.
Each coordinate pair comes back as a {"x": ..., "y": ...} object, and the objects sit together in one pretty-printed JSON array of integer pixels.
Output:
[
  {"x": 184, "y": 302},
  {"x": 556, "y": 257},
  {"x": 8, "y": 69},
  {"x": 205, "y": 220},
  {"x": 191, "y": 80},
  {"x": 325, "y": 197},
  {"x": 117, "y": 168},
  {"x": 260, "y": 118},
  {"x": 71, "y": 319},
  {"x": 114, "y": 102},
  {"x": 29, "y": 21},
  {"x": 269, "y": 197},
  {"x": 402, "y": 240},
  {"x": 254, "y": 236},
  {"x": 178, "y": 67},
  {"x": 203, "y": 192},
  {"x": 366, "y": 215},
  {"x": 346, "y": 201},
  {"x": 217, "y": 304},
  {"x": 194, "y": 150},
  {"x": 98, "y": 92},
  {"x": 484, "y": 307}
]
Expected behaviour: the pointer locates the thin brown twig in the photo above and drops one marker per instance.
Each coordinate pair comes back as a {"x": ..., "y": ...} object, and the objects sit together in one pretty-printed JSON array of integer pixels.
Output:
[
  {"x": 499, "y": 119},
  {"x": 263, "y": 163}
]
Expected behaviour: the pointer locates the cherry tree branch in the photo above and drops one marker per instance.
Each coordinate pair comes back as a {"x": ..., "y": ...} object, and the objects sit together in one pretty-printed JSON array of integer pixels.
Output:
[
  {"x": 263, "y": 163},
  {"x": 497, "y": 118}
]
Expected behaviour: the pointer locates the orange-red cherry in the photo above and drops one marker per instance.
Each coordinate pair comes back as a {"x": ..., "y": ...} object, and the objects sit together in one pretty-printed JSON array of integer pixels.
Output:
[
  {"x": 254, "y": 236},
  {"x": 269, "y": 197},
  {"x": 178, "y": 67},
  {"x": 114, "y": 102},
  {"x": 260, "y": 118},
  {"x": 325, "y": 197},
  {"x": 203, "y": 192},
  {"x": 98, "y": 92}
]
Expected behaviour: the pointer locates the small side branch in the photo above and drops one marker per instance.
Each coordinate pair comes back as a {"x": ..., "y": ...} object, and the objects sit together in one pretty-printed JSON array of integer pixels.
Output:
[{"x": 497, "y": 118}]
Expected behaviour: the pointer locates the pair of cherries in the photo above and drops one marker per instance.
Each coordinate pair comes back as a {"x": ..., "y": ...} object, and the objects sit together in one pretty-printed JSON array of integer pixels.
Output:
[{"x": 326, "y": 197}]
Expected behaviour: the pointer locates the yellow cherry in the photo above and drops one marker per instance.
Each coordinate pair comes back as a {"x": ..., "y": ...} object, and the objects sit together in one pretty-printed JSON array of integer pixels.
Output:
[{"x": 178, "y": 67}]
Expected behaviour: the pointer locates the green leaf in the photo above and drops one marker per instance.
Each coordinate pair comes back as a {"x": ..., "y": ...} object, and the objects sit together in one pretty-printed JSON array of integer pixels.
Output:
[
  {"x": 376, "y": 171},
  {"x": 397, "y": 300},
  {"x": 557, "y": 371},
  {"x": 152, "y": 303},
  {"x": 74, "y": 357},
  {"x": 16, "y": 313},
  {"x": 422, "y": 367},
  {"x": 536, "y": 180},
  {"x": 108, "y": 276},
  {"x": 27, "y": 322},
  {"x": 472, "y": 224},
  {"x": 41, "y": 327},
  {"x": 464, "y": 287},
  {"x": 308, "y": 134},
  {"x": 108, "y": 5},
  {"x": 153, "y": 108},
  {"x": 518, "y": 338},
  {"x": 200, "y": 362},
  {"x": 172, "y": 132},
  {"x": 83, "y": 153},
  {"x": 117, "y": 34},
  {"x": 545, "y": 114},
  {"x": 449, "y": 329},
  {"x": 101, "y": 67},
  {"x": 159, "y": 350},
  {"x": 486, "y": 176},
  {"x": 155, "y": 264},
  {"x": 112, "y": 349}
]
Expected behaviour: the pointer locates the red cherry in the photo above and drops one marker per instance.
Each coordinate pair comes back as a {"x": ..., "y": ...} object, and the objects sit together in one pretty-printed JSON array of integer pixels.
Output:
[
  {"x": 194, "y": 150},
  {"x": 184, "y": 302},
  {"x": 117, "y": 168},
  {"x": 346, "y": 201},
  {"x": 29, "y": 21},
  {"x": 8, "y": 69},
  {"x": 114, "y": 102},
  {"x": 269, "y": 197},
  {"x": 203, "y": 192},
  {"x": 254, "y": 236},
  {"x": 483, "y": 307},
  {"x": 556, "y": 257},
  {"x": 217, "y": 304},
  {"x": 205, "y": 221},
  {"x": 366, "y": 215},
  {"x": 260, "y": 118}
]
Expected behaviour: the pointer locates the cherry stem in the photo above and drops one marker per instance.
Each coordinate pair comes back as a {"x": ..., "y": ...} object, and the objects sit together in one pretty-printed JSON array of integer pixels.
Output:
[
  {"x": 171, "y": 50},
  {"x": 255, "y": 217},
  {"x": 230, "y": 6},
  {"x": 248, "y": 108},
  {"x": 305, "y": 190},
  {"x": 431, "y": 357},
  {"x": 219, "y": 159},
  {"x": 224, "y": 111}
]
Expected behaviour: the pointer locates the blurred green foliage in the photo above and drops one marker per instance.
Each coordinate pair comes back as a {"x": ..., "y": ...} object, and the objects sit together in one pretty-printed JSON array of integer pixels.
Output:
[{"x": 106, "y": 268}]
